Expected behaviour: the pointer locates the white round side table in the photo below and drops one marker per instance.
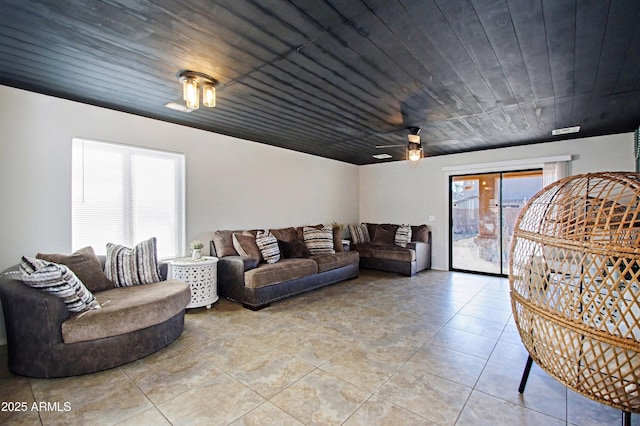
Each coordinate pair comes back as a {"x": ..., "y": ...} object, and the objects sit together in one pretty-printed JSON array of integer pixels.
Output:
[{"x": 202, "y": 277}]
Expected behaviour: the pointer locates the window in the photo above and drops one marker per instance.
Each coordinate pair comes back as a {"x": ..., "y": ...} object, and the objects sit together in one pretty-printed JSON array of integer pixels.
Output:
[{"x": 124, "y": 195}]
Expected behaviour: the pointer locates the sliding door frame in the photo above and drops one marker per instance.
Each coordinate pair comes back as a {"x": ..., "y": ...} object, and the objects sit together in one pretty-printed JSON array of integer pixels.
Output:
[{"x": 502, "y": 272}]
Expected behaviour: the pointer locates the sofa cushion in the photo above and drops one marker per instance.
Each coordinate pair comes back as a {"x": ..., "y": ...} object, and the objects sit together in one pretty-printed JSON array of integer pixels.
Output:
[
  {"x": 285, "y": 234},
  {"x": 268, "y": 245},
  {"x": 245, "y": 245},
  {"x": 420, "y": 233},
  {"x": 371, "y": 228},
  {"x": 364, "y": 249},
  {"x": 284, "y": 270},
  {"x": 223, "y": 243},
  {"x": 293, "y": 249},
  {"x": 392, "y": 252},
  {"x": 58, "y": 280},
  {"x": 359, "y": 234},
  {"x": 128, "y": 309},
  {"x": 403, "y": 236},
  {"x": 319, "y": 241},
  {"x": 132, "y": 266},
  {"x": 86, "y": 265},
  {"x": 327, "y": 262},
  {"x": 384, "y": 234}
]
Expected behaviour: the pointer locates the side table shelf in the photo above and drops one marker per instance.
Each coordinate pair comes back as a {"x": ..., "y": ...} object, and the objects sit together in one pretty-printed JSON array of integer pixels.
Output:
[{"x": 202, "y": 277}]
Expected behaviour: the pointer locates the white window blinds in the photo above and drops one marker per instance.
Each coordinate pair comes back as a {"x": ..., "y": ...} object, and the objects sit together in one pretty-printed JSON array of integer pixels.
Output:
[
  {"x": 124, "y": 195},
  {"x": 554, "y": 171}
]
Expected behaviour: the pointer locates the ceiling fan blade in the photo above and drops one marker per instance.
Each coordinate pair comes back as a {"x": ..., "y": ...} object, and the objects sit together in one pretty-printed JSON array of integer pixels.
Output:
[
  {"x": 395, "y": 129},
  {"x": 441, "y": 142},
  {"x": 389, "y": 146}
]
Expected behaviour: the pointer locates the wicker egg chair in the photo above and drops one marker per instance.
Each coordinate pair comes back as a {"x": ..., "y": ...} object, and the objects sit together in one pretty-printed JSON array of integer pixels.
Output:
[{"x": 574, "y": 280}]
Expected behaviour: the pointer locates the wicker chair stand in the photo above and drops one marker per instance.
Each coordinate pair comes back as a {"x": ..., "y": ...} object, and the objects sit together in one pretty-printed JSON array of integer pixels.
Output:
[{"x": 574, "y": 281}]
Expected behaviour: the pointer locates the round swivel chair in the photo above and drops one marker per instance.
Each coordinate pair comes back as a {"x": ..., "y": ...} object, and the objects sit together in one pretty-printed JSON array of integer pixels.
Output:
[{"x": 574, "y": 281}]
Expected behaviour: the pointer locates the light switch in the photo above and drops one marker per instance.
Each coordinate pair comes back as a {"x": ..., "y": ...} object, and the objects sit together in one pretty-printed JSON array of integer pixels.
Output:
[{"x": 432, "y": 218}]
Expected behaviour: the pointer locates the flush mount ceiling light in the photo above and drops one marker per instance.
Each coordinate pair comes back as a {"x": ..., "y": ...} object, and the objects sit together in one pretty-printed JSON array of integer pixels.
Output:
[
  {"x": 382, "y": 156},
  {"x": 414, "y": 149},
  {"x": 191, "y": 82}
]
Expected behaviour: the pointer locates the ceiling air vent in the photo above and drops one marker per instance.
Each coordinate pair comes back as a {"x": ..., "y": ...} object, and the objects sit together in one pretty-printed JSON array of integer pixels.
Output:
[{"x": 565, "y": 130}]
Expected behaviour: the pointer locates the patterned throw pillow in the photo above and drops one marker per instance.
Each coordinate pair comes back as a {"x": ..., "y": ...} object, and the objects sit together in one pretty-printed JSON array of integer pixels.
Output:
[
  {"x": 403, "y": 236},
  {"x": 268, "y": 245},
  {"x": 127, "y": 267},
  {"x": 319, "y": 241},
  {"x": 359, "y": 234},
  {"x": 58, "y": 280}
]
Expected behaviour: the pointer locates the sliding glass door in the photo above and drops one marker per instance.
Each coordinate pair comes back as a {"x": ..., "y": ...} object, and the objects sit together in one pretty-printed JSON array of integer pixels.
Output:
[{"x": 483, "y": 211}]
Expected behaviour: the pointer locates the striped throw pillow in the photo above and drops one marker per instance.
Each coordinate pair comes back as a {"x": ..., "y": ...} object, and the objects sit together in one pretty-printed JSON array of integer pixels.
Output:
[
  {"x": 359, "y": 234},
  {"x": 58, "y": 280},
  {"x": 403, "y": 236},
  {"x": 319, "y": 241},
  {"x": 128, "y": 267},
  {"x": 268, "y": 245}
]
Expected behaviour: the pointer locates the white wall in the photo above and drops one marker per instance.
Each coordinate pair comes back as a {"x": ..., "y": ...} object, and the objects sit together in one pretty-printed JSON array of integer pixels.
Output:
[
  {"x": 231, "y": 183},
  {"x": 402, "y": 192}
]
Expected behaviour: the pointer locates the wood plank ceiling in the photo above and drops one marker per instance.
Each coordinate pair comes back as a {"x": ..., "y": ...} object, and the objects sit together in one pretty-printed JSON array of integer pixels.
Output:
[{"x": 335, "y": 78}]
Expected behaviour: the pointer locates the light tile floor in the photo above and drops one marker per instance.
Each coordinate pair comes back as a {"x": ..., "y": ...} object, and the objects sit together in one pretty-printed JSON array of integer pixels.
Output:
[{"x": 439, "y": 348}]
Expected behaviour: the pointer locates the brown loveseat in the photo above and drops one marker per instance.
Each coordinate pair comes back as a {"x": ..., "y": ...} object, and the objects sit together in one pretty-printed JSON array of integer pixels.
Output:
[
  {"x": 256, "y": 284},
  {"x": 381, "y": 253},
  {"x": 46, "y": 340}
]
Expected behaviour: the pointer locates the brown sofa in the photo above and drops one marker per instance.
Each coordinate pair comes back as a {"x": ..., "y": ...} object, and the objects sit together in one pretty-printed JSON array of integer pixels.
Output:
[
  {"x": 46, "y": 340},
  {"x": 381, "y": 253},
  {"x": 257, "y": 284}
]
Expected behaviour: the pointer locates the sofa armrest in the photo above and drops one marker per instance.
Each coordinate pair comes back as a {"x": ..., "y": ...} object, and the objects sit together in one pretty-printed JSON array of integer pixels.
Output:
[
  {"x": 33, "y": 321},
  {"x": 231, "y": 275},
  {"x": 423, "y": 254}
]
